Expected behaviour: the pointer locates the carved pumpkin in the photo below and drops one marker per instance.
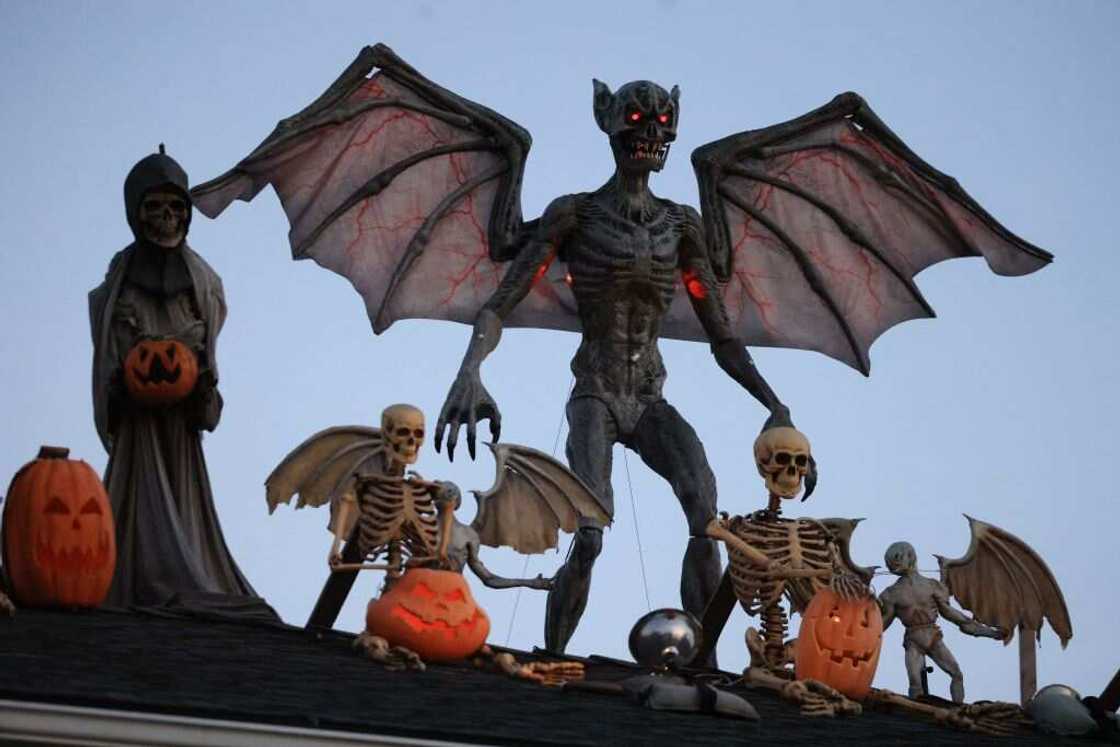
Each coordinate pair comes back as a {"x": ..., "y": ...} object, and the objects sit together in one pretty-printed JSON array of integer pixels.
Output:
[
  {"x": 431, "y": 612},
  {"x": 839, "y": 642},
  {"x": 59, "y": 545},
  {"x": 160, "y": 371}
]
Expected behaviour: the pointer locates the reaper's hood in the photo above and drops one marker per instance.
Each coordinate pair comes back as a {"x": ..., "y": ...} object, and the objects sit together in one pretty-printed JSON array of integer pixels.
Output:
[{"x": 156, "y": 170}]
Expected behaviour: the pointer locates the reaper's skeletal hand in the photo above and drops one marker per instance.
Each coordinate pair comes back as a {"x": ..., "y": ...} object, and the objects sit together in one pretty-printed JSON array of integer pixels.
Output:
[
  {"x": 467, "y": 403},
  {"x": 394, "y": 658}
]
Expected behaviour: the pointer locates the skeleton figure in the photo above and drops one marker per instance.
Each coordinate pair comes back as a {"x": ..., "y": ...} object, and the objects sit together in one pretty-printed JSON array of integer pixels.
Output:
[
  {"x": 624, "y": 248},
  {"x": 405, "y": 519},
  {"x": 918, "y": 601},
  {"x": 801, "y": 555},
  {"x": 389, "y": 521}
]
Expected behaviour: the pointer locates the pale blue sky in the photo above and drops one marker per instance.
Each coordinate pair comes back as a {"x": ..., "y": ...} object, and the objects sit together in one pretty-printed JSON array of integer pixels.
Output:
[{"x": 1004, "y": 407}]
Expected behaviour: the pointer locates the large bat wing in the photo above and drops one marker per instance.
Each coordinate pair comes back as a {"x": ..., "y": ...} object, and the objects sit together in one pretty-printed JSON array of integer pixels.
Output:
[
  {"x": 406, "y": 189},
  {"x": 817, "y": 227},
  {"x": 323, "y": 467},
  {"x": 533, "y": 497},
  {"x": 1003, "y": 582}
]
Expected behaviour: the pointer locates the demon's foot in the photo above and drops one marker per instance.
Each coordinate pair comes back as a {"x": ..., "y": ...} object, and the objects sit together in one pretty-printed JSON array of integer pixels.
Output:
[
  {"x": 548, "y": 673},
  {"x": 394, "y": 658}
]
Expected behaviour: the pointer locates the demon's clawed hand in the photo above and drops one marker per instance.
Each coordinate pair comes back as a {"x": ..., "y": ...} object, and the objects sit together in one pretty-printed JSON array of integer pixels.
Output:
[{"x": 467, "y": 403}]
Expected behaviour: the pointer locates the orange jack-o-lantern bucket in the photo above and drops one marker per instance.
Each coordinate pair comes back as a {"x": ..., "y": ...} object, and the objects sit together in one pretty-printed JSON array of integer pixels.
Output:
[
  {"x": 160, "y": 371},
  {"x": 431, "y": 612},
  {"x": 59, "y": 545},
  {"x": 839, "y": 642}
]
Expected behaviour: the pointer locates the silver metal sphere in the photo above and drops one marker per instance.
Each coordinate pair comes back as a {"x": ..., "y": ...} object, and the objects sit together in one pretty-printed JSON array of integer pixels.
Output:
[
  {"x": 1057, "y": 709},
  {"x": 666, "y": 638}
]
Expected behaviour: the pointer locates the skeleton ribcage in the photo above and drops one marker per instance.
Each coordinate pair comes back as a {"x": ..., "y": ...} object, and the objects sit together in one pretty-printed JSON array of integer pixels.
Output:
[
  {"x": 798, "y": 544},
  {"x": 392, "y": 510}
]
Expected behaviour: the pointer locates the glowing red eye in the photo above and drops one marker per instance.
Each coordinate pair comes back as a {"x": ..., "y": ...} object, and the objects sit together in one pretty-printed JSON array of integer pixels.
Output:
[
  {"x": 635, "y": 116},
  {"x": 662, "y": 118}
]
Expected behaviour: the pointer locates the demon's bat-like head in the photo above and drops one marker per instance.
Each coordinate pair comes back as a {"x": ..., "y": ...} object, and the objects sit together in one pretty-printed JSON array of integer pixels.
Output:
[{"x": 641, "y": 120}]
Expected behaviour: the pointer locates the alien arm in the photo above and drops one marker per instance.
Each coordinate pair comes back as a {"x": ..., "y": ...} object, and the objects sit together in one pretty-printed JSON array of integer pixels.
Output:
[
  {"x": 707, "y": 302},
  {"x": 468, "y": 401}
]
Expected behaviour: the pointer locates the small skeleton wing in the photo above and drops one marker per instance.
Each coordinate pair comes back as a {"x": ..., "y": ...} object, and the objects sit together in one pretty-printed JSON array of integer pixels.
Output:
[
  {"x": 1003, "y": 582},
  {"x": 322, "y": 468},
  {"x": 533, "y": 497}
]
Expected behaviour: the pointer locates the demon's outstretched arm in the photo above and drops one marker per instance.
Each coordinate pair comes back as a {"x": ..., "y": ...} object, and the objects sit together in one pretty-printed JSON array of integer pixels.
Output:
[
  {"x": 468, "y": 401},
  {"x": 704, "y": 293}
]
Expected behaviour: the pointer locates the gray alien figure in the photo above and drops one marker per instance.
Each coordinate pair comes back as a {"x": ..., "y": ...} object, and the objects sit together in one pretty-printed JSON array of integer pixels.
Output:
[
  {"x": 809, "y": 235},
  {"x": 918, "y": 601}
]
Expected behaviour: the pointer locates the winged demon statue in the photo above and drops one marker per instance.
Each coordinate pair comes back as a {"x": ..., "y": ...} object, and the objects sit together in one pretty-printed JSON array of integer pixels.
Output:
[{"x": 809, "y": 236}]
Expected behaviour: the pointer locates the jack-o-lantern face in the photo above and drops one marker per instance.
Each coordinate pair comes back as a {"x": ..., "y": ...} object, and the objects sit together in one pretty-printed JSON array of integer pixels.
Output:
[
  {"x": 431, "y": 612},
  {"x": 58, "y": 537},
  {"x": 839, "y": 642},
  {"x": 160, "y": 371}
]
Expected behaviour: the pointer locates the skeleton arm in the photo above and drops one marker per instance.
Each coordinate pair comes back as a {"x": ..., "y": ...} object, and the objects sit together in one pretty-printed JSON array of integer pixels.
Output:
[
  {"x": 707, "y": 302},
  {"x": 468, "y": 401},
  {"x": 486, "y": 576},
  {"x": 343, "y": 523}
]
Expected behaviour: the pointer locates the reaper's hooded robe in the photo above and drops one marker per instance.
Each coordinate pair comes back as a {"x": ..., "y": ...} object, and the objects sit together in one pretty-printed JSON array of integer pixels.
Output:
[{"x": 170, "y": 549}]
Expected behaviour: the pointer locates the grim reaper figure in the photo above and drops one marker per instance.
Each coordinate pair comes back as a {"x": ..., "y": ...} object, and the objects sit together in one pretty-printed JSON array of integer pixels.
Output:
[
  {"x": 809, "y": 237},
  {"x": 158, "y": 290}
]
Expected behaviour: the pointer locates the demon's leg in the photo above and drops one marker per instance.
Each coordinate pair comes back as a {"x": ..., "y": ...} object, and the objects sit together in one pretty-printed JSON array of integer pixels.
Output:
[
  {"x": 591, "y": 435},
  {"x": 671, "y": 448},
  {"x": 943, "y": 658}
]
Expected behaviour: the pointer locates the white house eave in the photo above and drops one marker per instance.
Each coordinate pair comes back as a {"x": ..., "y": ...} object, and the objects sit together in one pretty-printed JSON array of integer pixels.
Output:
[{"x": 45, "y": 723}]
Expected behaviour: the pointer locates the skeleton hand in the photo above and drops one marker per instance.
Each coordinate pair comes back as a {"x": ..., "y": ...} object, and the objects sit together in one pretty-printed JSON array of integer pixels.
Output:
[
  {"x": 6, "y": 606},
  {"x": 395, "y": 658},
  {"x": 468, "y": 401},
  {"x": 818, "y": 699},
  {"x": 334, "y": 558}
]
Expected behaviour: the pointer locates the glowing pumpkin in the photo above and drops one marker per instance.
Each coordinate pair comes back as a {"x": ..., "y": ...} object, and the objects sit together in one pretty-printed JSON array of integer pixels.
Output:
[
  {"x": 432, "y": 613},
  {"x": 59, "y": 545},
  {"x": 839, "y": 642},
  {"x": 160, "y": 371}
]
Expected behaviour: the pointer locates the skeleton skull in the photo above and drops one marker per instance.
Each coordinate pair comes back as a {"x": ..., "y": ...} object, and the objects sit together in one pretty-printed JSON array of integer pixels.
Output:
[
  {"x": 783, "y": 457},
  {"x": 163, "y": 217},
  {"x": 402, "y": 428},
  {"x": 641, "y": 119}
]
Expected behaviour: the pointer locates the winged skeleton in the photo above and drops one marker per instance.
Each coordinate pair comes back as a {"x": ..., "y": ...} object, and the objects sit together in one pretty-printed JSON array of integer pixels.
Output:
[
  {"x": 809, "y": 236},
  {"x": 403, "y": 521}
]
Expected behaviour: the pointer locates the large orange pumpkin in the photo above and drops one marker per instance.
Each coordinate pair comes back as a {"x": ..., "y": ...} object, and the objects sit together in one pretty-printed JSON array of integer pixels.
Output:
[
  {"x": 431, "y": 612},
  {"x": 59, "y": 545},
  {"x": 839, "y": 642},
  {"x": 160, "y": 371}
]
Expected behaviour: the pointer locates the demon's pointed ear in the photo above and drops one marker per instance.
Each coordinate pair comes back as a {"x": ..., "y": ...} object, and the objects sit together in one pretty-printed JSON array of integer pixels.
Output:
[
  {"x": 675, "y": 94},
  {"x": 603, "y": 103}
]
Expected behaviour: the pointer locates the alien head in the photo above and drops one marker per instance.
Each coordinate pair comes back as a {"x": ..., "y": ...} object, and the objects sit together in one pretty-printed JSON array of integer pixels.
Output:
[
  {"x": 901, "y": 558},
  {"x": 641, "y": 120}
]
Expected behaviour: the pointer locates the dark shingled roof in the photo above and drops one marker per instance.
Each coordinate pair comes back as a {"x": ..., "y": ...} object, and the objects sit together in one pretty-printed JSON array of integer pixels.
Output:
[{"x": 286, "y": 676}]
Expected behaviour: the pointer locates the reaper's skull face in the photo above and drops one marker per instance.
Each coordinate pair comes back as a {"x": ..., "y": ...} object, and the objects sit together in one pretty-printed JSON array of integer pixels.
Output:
[
  {"x": 402, "y": 427},
  {"x": 782, "y": 455},
  {"x": 163, "y": 217},
  {"x": 900, "y": 558},
  {"x": 641, "y": 120}
]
